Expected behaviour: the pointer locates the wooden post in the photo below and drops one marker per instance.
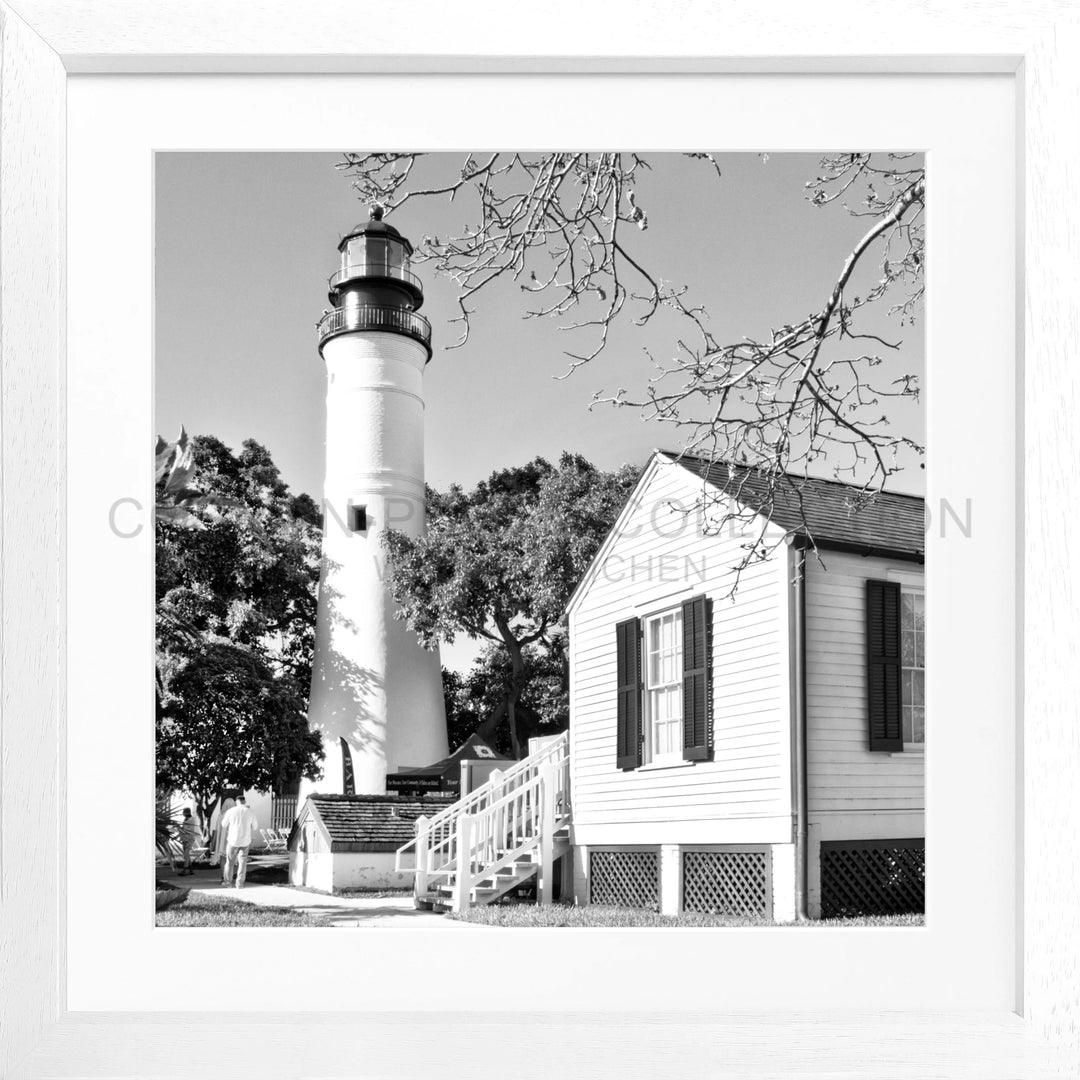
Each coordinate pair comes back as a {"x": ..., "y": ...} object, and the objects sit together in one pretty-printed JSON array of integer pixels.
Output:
[
  {"x": 463, "y": 874},
  {"x": 547, "y": 833},
  {"x": 423, "y": 859},
  {"x": 495, "y": 780}
]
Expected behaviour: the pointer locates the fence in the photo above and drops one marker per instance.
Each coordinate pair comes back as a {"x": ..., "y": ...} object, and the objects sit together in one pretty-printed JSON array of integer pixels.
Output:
[
  {"x": 727, "y": 882},
  {"x": 282, "y": 811},
  {"x": 872, "y": 877},
  {"x": 625, "y": 878}
]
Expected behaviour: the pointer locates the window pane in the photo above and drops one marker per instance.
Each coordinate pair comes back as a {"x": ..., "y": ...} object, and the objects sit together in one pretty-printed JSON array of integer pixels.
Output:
[
  {"x": 664, "y": 674},
  {"x": 917, "y": 678},
  {"x": 918, "y": 725},
  {"x": 907, "y": 608},
  {"x": 913, "y": 660},
  {"x": 907, "y": 648}
]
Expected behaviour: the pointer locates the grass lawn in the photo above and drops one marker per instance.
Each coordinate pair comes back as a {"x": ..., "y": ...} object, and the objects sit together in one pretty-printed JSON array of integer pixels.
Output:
[
  {"x": 210, "y": 910},
  {"x": 595, "y": 915}
]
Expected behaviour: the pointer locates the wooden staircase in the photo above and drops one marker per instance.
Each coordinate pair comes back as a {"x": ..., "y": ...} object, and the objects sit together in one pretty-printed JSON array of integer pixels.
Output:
[
  {"x": 524, "y": 870},
  {"x": 501, "y": 837}
]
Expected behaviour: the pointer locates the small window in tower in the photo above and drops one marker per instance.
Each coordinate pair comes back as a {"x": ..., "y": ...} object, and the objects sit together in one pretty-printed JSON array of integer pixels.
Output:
[{"x": 358, "y": 518}]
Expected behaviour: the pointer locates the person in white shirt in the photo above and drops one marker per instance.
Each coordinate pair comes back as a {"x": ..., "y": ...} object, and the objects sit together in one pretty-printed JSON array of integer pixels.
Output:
[{"x": 238, "y": 827}]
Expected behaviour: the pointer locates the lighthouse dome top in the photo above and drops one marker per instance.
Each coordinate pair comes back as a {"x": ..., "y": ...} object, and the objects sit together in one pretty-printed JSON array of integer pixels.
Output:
[{"x": 375, "y": 226}]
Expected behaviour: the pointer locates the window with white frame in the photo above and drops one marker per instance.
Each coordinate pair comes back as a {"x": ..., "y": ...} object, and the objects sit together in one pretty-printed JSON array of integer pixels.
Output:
[
  {"x": 663, "y": 686},
  {"x": 913, "y": 666}
]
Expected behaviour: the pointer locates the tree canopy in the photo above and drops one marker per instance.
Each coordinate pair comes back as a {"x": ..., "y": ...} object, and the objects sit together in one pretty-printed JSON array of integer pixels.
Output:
[
  {"x": 236, "y": 585},
  {"x": 475, "y": 700},
  {"x": 499, "y": 562},
  {"x": 570, "y": 230}
]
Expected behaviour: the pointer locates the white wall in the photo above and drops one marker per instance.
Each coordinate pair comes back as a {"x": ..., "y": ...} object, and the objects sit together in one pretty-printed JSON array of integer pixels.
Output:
[
  {"x": 658, "y": 558},
  {"x": 847, "y": 784},
  {"x": 372, "y": 683},
  {"x": 346, "y": 870},
  {"x": 312, "y": 864}
]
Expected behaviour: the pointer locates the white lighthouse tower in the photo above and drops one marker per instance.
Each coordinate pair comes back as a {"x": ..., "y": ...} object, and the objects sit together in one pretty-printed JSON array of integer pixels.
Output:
[{"x": 376, "y": 695}]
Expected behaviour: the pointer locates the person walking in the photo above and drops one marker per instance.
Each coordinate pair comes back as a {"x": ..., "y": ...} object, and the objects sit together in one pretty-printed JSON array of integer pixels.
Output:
[
  {"x": 187, "y": 834},
  {"x": 238, "y": 826},
  {"x": 218, "y": 858}
]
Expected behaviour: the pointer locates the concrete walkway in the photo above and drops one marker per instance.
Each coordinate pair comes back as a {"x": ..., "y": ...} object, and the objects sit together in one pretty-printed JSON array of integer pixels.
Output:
[{"x": 346, "y": 911}]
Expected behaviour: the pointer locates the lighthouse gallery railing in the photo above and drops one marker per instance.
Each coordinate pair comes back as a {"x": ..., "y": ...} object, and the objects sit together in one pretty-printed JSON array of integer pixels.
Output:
[{"x": 397, "y": 320}]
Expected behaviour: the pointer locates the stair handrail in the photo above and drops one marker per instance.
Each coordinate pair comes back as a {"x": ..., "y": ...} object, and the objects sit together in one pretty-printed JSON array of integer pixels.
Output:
[
  {"x": 523, "y": 821},
  {"x": 440, "y": 828},
  {"x": 506, "y": 779},
  {"x": 493, "y": 844}
]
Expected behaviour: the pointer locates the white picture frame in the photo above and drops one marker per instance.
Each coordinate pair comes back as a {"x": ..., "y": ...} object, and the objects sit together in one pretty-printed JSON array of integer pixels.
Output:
[{"x": 40, "y": 44}]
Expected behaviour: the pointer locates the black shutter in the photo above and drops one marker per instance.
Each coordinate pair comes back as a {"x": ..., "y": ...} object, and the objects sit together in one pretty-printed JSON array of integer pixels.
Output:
[
  {"x": 628, "y": 678},
  {"x": 697, "y": 679},
  {"x": 883, "y": 665}
]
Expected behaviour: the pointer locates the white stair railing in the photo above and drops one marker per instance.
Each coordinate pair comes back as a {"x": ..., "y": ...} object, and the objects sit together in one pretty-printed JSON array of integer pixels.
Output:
[
  {"x": 441, "y": 827},
  {"x": 514, "y": 813}
]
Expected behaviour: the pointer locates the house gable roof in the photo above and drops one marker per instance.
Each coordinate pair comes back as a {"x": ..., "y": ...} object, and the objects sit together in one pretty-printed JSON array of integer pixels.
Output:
[{"x": 826, "y": 513}]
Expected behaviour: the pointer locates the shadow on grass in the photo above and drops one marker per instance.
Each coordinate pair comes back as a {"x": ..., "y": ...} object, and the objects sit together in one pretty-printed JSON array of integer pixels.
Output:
[{"x": 201, "y": 909}]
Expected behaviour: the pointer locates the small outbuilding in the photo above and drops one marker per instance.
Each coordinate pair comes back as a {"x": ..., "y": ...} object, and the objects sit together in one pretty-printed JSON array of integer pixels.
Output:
[{"x": 349, "y": 841}]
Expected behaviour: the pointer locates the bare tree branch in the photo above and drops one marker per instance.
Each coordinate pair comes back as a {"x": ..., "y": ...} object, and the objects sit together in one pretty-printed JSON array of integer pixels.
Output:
[{"x": 808, "y": 395}]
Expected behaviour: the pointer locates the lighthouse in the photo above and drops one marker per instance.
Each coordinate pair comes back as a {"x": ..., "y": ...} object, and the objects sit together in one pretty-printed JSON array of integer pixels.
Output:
[{"x": 376, "y": 694}]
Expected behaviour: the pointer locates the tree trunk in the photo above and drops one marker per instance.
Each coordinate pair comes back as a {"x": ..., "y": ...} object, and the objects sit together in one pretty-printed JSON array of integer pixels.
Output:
[
  {"x": 489, "y": 726},
  {"x": 205, "y": 805},
  {"x": 518, "y": 679}
]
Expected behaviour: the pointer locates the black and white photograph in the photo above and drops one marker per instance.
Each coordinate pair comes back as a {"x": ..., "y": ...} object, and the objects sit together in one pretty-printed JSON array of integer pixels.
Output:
[
  {"x": 540, "y": 539},
  {"x": 539, "y": 535}
]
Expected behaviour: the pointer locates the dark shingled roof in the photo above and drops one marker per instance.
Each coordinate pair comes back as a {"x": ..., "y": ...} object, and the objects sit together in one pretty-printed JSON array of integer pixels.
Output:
[
  {"x": 374, "y": 228},
  {"x": 831, "y": 513},
  {"x": 374, "y": 819}
]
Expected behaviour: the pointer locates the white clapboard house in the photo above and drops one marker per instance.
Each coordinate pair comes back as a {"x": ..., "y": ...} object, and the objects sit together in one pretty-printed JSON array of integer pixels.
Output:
[{"x": 756, "y": 752}]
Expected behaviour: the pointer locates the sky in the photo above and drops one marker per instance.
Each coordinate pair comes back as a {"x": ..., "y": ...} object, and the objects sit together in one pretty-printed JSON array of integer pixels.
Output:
[{"x": 245, "y": 242}]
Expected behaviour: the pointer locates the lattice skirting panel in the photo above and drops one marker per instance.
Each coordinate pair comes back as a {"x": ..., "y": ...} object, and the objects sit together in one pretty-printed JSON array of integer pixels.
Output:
[
  {"x": 625, "y": 878},
  {"x": 872, "y": 877},
  {"x": 727, "y": 882}
]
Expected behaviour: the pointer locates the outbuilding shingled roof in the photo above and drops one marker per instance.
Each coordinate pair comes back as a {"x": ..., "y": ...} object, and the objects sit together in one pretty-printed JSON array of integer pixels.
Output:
[
  {"x": 385, "y": 820},
  {"x": 828, "y": 512}
]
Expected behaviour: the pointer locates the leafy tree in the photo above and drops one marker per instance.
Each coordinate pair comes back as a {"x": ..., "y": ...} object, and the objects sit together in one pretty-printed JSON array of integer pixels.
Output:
[
  {"x": 476, "y": 701},
  {"x": 499, "y": 562},
  {"x": 570, "y": 230},
  {"x": 249, "y": 570},
  {"x": 230, "y": 723},
  {"x": 236, "y": 585}
]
